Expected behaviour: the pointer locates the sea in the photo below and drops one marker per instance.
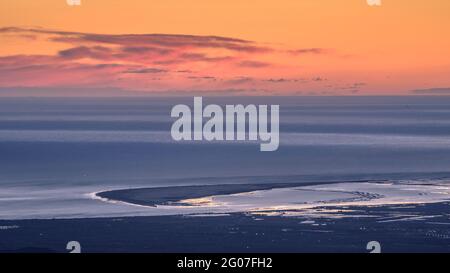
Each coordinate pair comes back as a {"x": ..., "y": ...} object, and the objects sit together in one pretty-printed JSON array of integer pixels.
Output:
[{"x": 57, "y": 153}]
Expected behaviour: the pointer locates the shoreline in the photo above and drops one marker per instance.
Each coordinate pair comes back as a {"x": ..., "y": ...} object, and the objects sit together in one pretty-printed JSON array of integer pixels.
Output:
[
  {"x": 397, "y": 228},
  {"x": 288, "y": 199},
  {"x": 153, "y": 197}
]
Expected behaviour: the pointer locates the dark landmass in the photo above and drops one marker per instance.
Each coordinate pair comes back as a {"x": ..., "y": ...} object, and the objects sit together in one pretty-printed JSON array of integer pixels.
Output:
[
  {"x": 168, "y": 195},
  {"x": 240, "y": 233}
]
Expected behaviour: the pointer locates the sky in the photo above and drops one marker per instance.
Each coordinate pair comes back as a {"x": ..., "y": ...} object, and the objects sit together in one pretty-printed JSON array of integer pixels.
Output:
[{"x": 224, "y": 47}]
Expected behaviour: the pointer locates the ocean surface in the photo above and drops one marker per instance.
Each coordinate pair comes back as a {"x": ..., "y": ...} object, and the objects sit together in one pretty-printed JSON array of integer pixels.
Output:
[{"x": 55, "y": 153}]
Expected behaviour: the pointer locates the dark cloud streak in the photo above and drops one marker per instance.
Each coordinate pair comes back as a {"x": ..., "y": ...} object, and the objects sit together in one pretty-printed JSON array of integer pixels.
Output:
[{"x": 432, "y": 91}]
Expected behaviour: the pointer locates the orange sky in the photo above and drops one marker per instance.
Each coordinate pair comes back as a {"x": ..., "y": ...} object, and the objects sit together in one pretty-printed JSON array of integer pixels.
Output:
[{"x": 287, "y": 47}]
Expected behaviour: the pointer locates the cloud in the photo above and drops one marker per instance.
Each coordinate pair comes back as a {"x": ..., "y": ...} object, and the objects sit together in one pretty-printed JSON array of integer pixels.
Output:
[
  {"x": 164, "y": 49},
  {"x": 96, "y": 52},
  {"x": 432, "y": 91},
  {"x": 15, "y": 61},
  {"x": 201, "y": 57},
  {"x": 166, "y": 41},
  {"x": 285, "y": 80},
  {"x": 318, "y": 79},
  {"x": 66, "y": 91},
  {"x": 278, "y": 80},
  {"x": 308, "y": 51},
  {"x": 152, "y": 62},
  {"x": 239, "y": 80},
  {"x": 301, "y": 80},
  {"x": 145, "y": 49},
  {"x": 199, "y": 78},
  {"x": 150, "y": 70},
  {"x": 253, "y": 64},
  {"x": 352, "y": 86}
]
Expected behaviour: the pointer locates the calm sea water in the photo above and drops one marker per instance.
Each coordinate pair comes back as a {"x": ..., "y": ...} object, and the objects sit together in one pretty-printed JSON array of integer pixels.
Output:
[{"x": 54, "y": 151}]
